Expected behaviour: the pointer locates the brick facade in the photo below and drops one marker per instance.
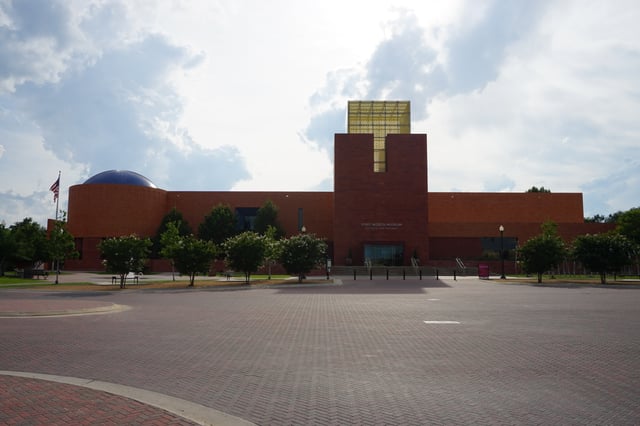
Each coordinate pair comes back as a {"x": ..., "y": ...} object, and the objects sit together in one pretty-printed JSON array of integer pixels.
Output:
[
  {"x": 380, "y": 208},
  {"x": 366, "y": 209}
]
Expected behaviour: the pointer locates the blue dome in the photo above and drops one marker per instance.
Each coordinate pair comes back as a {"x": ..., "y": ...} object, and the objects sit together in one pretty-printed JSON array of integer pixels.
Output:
[{"x": 122, "y": 177}]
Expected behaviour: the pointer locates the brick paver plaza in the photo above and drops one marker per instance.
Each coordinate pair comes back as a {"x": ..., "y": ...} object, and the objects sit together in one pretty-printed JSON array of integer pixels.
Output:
[{"x": 364, "y": 352}]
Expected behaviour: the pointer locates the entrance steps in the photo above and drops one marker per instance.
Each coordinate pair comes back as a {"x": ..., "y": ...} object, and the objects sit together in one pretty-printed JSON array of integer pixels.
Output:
[{"x": 398, "y": 271}]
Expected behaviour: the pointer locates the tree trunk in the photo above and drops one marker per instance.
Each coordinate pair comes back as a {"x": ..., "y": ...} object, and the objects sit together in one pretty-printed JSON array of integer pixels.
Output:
[
  {"x": 192, "y": 278},
  {"x": 603, "y": 277},
  {"x": 539, "y": 277},
  {"x": 123, "y": 280}
]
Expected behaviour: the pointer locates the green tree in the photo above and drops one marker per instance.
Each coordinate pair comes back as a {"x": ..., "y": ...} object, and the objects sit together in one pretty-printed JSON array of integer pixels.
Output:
[
  {"x": 218, "y": 225},
  {"x": 190, "y": 255},
  {"x": 122, "y": 255},
  {"x": 300, "y": 253},
  {"x": 61, "y": 244},
  {"x": 542, "y": 252},
  {"x": 596, "y": 218},
  {"x": 31, "y": 246},
  {"x": 7, "y": 248},
  {"x": 174, "y": 216},
  {"x": 267, "y": 216},
  {"x": 245, "y": 252},
  {"x": 629, "y": 225},
  {"x": 603, "y": 253},
  {"x": 536, "y": 189},
  {"x": 613, "y": 217},
  {"x": 272, "y": 249},
  {"x": 169, "y": 242}
]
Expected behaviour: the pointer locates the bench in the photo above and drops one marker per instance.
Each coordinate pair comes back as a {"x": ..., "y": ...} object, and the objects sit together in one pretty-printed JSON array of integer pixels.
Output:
[
  {"x": 130, "y": 277},
  {"x": 228, "y": 274},
  {"x": 30, "y": 273},
  {"x": 40, "y": 273}
]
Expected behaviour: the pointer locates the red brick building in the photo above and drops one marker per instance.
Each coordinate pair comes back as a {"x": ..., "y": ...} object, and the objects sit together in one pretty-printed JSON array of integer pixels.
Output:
[{"x": 380, "y": 211}]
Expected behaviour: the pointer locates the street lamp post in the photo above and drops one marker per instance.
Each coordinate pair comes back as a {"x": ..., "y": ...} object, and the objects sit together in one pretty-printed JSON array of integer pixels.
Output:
[{"x": 501, "y": 229}]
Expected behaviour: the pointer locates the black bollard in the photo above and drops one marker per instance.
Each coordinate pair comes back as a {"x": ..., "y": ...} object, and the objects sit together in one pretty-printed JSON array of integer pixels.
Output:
[
  {"x": 437, "y": 274},
  {"x": 370, "y": 274},
  {"x": 454, "y": 275},
  {"x": 420, "y": 272},
  {"x": 354, "y": 274},
  {"x": 403, "y": 274},
  {"x": 387, "y": 275}
]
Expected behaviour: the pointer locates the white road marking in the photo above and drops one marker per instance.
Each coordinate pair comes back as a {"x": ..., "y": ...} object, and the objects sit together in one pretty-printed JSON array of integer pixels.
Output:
[{"x": 442, "y": 322}]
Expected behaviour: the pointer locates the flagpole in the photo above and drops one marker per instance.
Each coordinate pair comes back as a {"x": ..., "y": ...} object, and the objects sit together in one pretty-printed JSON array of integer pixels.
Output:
[
  {"x": 58, "y": 197},
  {"x": 57, "y": 204}
]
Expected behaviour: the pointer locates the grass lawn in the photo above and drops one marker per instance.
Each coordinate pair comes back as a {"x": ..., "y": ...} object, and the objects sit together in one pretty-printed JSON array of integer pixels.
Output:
[
  {"x": 16, "y": 282},
  {"x": 147, "y": 283},
  {"x": 574, "y": 279}
]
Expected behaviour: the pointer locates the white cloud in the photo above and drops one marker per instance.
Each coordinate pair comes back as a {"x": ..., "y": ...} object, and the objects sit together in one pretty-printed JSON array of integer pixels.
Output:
[
  {"x": 26, "y": 173},
  {"x": 247, "y": 95},
  {"x": 504, "y": 93},
  {"x": 252, "y": 88},
  {"x": 561, "y": 83}
]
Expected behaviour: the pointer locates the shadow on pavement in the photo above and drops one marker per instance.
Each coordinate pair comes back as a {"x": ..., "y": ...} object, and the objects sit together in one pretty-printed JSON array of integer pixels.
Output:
[
  {"x": 366, "y": 286},
  {"x": 81, "y": 293}
]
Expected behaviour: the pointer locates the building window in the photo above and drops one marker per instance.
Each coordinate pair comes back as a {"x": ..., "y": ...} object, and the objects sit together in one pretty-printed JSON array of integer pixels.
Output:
[
  {"x": 300, "y": 218},
  {"x": 245, "y": 218},
  {"x": 384, "y": 254},
  {"x": 79, "y": 246},
  {"x": 491, "y": 247}
]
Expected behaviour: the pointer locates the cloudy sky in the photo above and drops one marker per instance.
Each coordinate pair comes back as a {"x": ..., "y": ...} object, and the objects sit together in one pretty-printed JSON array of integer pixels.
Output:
[{"x": 247, "y": 94}]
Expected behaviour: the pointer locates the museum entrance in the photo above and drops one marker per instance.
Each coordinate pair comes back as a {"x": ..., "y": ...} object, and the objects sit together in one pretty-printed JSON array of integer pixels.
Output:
[{"x": 384, "y": 254}]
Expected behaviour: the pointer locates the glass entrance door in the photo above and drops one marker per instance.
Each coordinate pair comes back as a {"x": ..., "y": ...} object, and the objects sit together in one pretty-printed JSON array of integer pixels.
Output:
[{"x": 384, "y": 254}]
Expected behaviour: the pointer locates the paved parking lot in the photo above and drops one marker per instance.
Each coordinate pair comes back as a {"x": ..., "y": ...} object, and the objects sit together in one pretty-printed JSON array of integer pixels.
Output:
[{"x": 364, "y": 352}]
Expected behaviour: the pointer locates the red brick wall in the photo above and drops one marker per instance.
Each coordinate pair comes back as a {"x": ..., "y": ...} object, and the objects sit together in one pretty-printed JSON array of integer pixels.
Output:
[
  {"x": 96, "y": 211},
  {"x": 90, "y": 257},
  {"x": 451, "y": 248},
  {"x": 366, "y": 207},
  {"x": 458, "y": 220},
  {"x": 483, "y": 207},
  {"x": 451, "y": 240},
  {"x": 108, "y": 210},
  {"x": 389, "y": 207},
  {"x": 317, "y": 207}
]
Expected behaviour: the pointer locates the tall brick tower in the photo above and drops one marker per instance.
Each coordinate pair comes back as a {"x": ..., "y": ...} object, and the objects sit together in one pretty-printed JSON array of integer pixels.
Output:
[{"x": 380, "y": 187}]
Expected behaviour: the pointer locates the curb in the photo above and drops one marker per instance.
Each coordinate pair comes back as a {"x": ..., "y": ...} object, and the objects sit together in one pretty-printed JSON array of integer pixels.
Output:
[{"x": 100, "y": 310}]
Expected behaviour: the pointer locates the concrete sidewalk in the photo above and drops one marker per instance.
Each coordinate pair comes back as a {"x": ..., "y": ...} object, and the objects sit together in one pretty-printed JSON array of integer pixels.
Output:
[{"x": 102, "y": 278}]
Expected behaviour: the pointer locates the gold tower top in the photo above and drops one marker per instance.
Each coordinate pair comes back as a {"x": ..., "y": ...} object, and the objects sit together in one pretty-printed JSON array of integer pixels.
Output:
[{"x": 380, "y": 118}]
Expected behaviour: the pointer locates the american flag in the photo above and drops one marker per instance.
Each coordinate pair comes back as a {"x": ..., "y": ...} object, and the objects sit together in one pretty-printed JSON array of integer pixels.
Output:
[{"x": 55, "y": 188}]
